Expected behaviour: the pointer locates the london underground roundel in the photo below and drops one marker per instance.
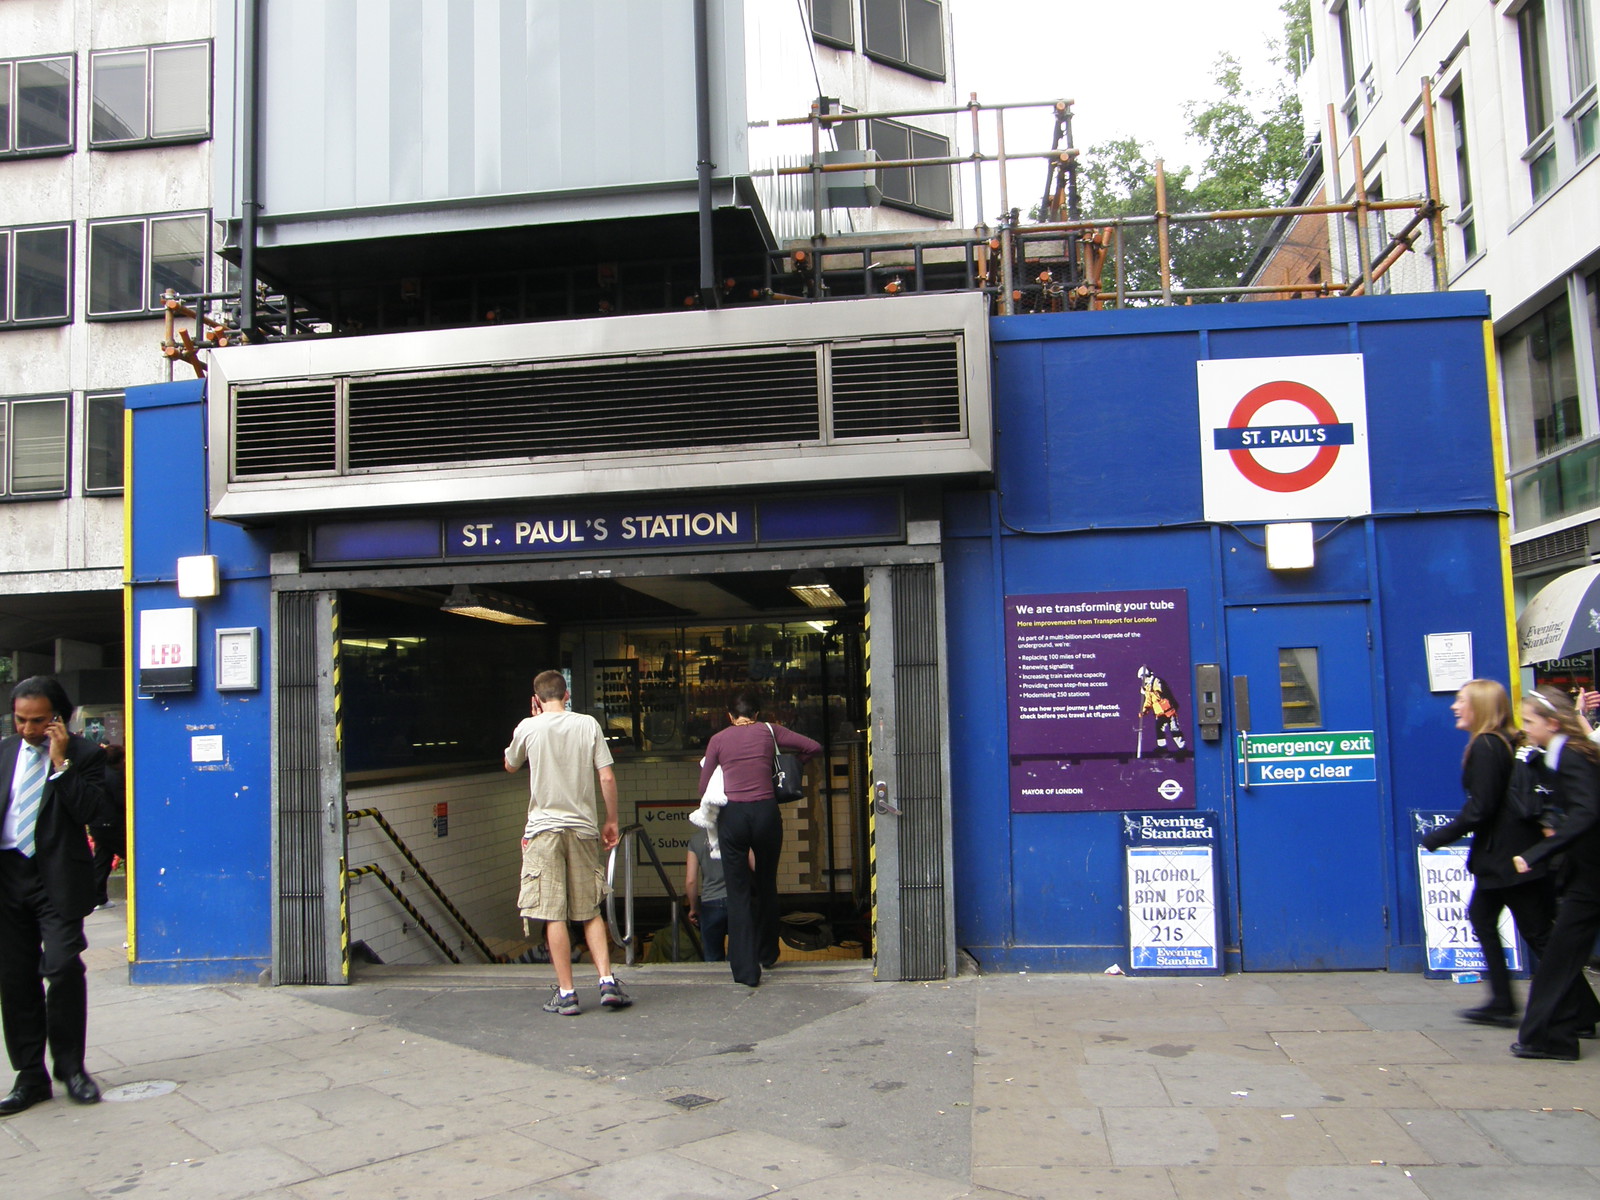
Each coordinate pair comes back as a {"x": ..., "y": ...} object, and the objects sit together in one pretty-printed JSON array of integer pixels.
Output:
[{"x": 1284, "y": 438}]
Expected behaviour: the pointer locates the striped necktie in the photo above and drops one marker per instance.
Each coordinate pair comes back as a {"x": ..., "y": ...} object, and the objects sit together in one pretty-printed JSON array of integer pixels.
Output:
[{"x": 27, "y": 799}]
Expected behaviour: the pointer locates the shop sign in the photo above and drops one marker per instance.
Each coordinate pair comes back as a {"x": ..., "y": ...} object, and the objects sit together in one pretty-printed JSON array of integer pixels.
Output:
[
  {"x": 1270, "y": 759},
  {"x": 1284, "y": 439},
  {"x": 1099, "y": 714},
  {"x": 1445, "y": 887},
  {"x": 1171, "y": 892}
]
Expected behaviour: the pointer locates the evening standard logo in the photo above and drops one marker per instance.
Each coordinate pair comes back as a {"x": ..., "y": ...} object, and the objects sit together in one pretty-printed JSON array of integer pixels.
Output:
[{"x": 1284, "y": 438}]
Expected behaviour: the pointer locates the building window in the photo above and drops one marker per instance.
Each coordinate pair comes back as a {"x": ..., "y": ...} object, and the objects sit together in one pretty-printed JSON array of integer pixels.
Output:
[
  {"x": 906, "y": 33},
  {"x": 1533, "y": 48},
  {"x": 1300, "y": 684},
  {"x": 1414, "y": 14},
  {"x": 133, "y": 260},
  {"x": 831, "y": 23},
  {"x": 35, "y": 275},
  {"x": 150, "y": 94},
  {"x": 102, "y": 446},
  {"x": 1543, "y": 409},
  {"x": 1457, "y": 103},
  {"x": 1580, "y": 76},
  {"x": 33, "y": 447},
  {"x": 36, "y": 105},
  {"x": 920, "y": 189},
  {"x": 1347, "y": 62}
]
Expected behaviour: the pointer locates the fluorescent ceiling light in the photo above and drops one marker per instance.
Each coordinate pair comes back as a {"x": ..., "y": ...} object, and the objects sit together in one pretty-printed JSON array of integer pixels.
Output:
[
  {"x": 490, "y": 606},
  {"x": 812, "y": 587}
]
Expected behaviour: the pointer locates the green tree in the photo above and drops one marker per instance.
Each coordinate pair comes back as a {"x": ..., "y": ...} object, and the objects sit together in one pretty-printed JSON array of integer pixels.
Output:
[{"x": 1254, "y": 151}]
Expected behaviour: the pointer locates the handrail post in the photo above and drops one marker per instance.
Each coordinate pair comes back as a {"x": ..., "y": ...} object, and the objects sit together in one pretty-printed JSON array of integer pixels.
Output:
[
  {"x": 977, "y": 157},
  {"x": 1163, "y": 234},
  {"x": 1430, "y": 150}
]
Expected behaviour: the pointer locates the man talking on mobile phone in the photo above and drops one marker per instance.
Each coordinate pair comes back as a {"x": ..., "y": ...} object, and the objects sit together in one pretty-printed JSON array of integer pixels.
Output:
[{"x": 51, "y": 786}]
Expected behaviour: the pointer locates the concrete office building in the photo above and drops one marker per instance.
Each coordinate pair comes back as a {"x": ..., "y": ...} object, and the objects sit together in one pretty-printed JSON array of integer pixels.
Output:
[{"x": 105, "y": 174}]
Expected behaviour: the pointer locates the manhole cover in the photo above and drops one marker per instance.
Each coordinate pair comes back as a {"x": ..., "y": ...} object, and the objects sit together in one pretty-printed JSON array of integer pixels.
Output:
[
  {"x": 144, "y": 1090},
  {"x": 690, "y": 1100}
]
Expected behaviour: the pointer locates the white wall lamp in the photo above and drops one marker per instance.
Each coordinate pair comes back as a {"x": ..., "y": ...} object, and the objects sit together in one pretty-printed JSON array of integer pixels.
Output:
[
  {"x": 198, "y": 577},
  {"x": 1291, "y": 546}
]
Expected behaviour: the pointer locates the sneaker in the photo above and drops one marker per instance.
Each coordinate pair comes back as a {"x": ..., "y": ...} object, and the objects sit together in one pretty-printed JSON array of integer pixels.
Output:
[
  {"x": 565, "y": 1003},
  {"x": 612, "y": 995}
]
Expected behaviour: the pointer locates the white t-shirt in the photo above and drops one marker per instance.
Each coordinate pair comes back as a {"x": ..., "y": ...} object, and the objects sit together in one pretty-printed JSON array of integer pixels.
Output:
[{"x": 563, "y": 751}]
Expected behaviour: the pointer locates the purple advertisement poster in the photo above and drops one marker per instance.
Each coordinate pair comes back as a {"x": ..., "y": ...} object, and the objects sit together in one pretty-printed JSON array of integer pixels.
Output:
[{"x": 1100, "y": 715}]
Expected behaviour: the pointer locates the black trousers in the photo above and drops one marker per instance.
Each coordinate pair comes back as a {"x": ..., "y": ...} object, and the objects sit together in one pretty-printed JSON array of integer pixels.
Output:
[
  {"x": 1560, "y": 1001},
  {"x": 1533, "y": 907},
  {"x": 39, "y": 947},
  {"x": 752, "y": 895},
  {"x": 109, "y": 843}
]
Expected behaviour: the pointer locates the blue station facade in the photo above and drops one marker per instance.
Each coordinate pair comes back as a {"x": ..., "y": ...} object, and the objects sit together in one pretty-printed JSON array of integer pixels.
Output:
[{"x": 1215, "y": 571}]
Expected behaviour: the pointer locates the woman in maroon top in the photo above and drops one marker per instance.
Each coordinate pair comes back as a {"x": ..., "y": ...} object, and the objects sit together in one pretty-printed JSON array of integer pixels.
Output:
[{"x": 750, "y": 821}]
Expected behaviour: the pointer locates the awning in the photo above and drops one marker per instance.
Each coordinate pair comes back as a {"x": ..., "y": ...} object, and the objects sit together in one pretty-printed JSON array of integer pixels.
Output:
[{"x": 1563, "y": 619}]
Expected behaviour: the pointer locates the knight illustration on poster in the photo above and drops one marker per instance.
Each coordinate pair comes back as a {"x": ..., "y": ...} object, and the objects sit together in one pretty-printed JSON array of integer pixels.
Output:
[{"x": 1156, "y": 699}]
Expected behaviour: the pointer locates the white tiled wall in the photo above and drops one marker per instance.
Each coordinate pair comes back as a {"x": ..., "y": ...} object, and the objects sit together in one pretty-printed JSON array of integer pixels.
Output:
[{"x": 476, "y": 862}]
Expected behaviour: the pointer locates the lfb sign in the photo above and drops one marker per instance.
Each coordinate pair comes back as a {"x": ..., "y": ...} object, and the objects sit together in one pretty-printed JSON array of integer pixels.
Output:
[{"x": 1284, "y": 439}]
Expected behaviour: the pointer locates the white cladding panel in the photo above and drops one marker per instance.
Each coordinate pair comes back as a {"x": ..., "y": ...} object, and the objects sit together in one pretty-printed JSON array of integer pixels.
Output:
[{"x": 368, "y": 104}]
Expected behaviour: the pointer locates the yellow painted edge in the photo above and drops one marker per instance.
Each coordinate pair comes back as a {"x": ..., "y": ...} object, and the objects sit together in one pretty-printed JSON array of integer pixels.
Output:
[
  {"x": 1491, "y": 367},
  {"x": 128, "y": 658}
]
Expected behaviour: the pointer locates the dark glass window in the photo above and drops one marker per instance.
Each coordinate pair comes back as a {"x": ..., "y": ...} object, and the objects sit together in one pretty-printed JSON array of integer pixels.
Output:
[
  {"x": 39, "y": 105},
  {"x": 102, "y": 455},
  {"x": 37, "y": 447},
  {"x": 151, "y": 93},
  {"x": 116, "y": 267},
  {"x": 134, "y": 260},
  {"x": 906, "y": 33},
  {"x": 41, "y": 263},
  {"x": 922, "y": 189},
  {"x": 831, "y": 23}
]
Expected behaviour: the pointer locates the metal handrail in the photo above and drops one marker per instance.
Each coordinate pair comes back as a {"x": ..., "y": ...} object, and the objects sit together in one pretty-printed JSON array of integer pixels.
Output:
[
  {"x": 422, "y": 874},
  {"x": 625, "y": 937},
  {"x": 376, "y": 871}
]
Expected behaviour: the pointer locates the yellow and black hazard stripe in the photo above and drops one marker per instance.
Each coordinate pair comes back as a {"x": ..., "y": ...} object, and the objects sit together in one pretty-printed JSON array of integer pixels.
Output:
[
  {"x": 422, "y": 921},
  {"x": 872, "y": 809},
  {"x": 427, "y": 879}
]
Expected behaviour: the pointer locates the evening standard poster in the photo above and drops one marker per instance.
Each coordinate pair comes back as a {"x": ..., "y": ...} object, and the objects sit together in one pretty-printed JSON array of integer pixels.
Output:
[{"x": 1100, "y": 715}]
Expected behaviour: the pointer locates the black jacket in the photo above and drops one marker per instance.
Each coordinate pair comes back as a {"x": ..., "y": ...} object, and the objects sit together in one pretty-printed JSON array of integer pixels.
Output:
[
  {"x": 61, "y": 846},
  {"x": 1498, "y": 834},
  {"x": 1577, "y": 792}
]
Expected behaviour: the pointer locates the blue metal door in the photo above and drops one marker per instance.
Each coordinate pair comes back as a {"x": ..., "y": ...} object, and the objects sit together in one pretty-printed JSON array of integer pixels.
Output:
[{"x": 1309, "y": 828}]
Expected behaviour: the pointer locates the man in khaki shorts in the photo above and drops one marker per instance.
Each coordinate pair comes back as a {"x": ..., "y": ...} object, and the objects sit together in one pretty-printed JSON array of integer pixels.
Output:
[{"x": 562, "y": 881}]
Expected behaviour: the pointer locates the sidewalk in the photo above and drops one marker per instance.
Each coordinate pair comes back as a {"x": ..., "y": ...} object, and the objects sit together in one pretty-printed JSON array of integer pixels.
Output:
[{"x": 819, "y": 1086}]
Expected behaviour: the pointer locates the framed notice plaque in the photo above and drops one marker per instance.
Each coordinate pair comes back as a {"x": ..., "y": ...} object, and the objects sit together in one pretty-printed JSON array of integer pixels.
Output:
[{"x": 239, "y": 659}]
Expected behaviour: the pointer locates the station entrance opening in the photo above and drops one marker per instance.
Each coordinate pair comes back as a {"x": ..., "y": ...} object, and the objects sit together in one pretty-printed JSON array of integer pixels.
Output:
[{"x": 399, "y": 840}]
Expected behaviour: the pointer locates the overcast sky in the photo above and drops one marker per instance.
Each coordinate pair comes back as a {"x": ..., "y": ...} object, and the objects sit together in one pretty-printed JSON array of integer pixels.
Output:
[{"x": 1128, "y": 65}]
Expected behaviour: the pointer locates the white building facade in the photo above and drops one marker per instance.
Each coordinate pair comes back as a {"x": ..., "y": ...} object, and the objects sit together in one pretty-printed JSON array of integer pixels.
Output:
[
  {"x": 1518, "y": 145},
  {"x": 105, "y": 186}
]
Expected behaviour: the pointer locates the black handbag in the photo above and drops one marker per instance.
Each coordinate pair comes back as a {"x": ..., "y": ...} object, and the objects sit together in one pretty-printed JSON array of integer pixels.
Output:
[{"x": 786, "y": 783}]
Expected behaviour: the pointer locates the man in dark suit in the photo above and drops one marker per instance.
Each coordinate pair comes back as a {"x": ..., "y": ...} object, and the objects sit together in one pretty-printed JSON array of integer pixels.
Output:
[{"x": 51, "y": 786}]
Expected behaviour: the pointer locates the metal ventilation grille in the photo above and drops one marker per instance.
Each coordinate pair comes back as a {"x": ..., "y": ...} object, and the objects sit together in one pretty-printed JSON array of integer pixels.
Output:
[
  {"x": 285, "y": 431},
  {"x": 1552, "y": 545},
  {"x": 896, "y": 390},
  {"x": 592, "y": 410}
]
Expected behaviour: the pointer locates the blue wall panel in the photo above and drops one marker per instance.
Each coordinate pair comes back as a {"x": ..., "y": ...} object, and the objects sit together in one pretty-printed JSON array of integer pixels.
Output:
[
  {"x": 202, "y": 837},
  {"x": 1098, "y": 486}
]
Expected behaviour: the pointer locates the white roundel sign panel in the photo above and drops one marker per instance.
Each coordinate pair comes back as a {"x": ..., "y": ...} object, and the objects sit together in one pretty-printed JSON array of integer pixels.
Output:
[{"x": 1284, "y": 439}]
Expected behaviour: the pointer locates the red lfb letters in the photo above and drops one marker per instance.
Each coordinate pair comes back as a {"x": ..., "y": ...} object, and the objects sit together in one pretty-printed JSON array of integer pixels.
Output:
[{"x": 166, "y": 654}]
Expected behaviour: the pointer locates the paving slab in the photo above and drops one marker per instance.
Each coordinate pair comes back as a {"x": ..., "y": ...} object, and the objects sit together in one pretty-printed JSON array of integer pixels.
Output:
[
  {"x": 1507, "y": 1183},
  {"x": 1550, "y": 1138}
]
